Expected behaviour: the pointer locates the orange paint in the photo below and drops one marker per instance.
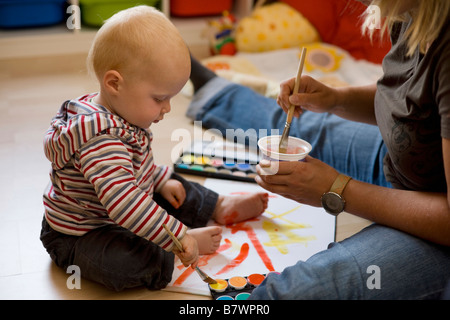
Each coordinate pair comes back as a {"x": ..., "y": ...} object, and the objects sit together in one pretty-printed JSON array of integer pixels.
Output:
[
  {"x": 241, "y": 226},
  {"x": 255, "y": 279},
  {"x": 183, "y": 276},
  {"x": 243, "y": 253},
  {"x": 202, "y": 261},
  {"x": 237, "y": 282},
  {"x": 230, "y": 218}
]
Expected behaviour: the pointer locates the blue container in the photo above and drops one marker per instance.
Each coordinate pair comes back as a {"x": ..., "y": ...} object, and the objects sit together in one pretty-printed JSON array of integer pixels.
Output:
[{"x": 31, "y": 13}]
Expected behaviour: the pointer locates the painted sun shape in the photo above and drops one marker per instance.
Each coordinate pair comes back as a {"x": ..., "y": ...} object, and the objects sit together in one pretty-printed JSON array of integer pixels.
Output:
[
  {"x": 281, "y": 236},
  {"x": 323, "y": 58}
]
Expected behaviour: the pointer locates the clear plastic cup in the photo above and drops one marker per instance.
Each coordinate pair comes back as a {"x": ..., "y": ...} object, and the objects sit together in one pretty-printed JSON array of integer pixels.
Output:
[{"x": 297, "y": 150}]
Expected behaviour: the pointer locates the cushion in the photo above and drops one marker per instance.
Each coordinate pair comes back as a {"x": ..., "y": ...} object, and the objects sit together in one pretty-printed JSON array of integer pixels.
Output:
[{"x": 274, "y": 26}]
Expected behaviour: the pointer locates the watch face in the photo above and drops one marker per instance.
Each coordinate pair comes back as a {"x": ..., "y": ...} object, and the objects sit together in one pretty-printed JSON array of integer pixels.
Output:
[{"x": 333, "y": 203}]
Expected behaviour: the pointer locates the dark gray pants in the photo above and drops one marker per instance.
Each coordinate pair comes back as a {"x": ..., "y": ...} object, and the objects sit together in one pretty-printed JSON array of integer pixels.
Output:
[{"x": 119, "y": 259}]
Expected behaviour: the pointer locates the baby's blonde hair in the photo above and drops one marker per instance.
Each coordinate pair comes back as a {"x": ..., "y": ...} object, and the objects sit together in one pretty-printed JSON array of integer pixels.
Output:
[
  {"x": 428, "y": 19},
  {"x": 128, "y": 40}
]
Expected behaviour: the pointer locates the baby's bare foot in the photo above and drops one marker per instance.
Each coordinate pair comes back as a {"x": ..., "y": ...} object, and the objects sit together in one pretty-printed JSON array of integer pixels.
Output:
[
  {"x": 208, "y": 238},
  {"x": 232, "y": 209}
]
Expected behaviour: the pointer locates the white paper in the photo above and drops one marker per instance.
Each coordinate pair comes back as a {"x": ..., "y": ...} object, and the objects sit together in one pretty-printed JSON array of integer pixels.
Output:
[{"x": 284, "y": 234}]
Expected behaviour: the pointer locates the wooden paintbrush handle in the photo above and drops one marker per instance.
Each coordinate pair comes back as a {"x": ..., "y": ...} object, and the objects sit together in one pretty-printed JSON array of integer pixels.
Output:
[
  {"x": 290, "y": 114},
  {"x": 297, "y": 84},
  {"x": 174, "y": 239}
]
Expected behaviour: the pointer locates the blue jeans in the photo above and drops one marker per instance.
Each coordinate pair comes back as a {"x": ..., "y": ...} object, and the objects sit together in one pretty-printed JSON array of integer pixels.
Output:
[{"x": 376, "y": 263}]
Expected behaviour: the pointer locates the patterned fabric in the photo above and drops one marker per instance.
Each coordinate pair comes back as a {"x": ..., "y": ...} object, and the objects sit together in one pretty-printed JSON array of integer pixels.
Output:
[
  {"x": 103, "y": 173},
  {"x": 272, "y": 27}
]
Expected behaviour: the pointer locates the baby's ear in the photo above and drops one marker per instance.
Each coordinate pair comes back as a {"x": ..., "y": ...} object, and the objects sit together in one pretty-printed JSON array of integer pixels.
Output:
[{"x": 112, "y": 81}]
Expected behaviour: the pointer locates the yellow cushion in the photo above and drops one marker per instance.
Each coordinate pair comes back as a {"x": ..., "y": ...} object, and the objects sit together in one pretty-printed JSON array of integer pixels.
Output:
[{"x": 272, "y": 27}]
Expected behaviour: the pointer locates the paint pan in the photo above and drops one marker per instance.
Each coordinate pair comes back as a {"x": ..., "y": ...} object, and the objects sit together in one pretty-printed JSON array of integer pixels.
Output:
[
  {"x": 237, "y": 283},
  {"x": 225, "y": 297},
  {"x": 255, "y": 279},
  {"x": 220, "y": 286},
  {"x": 238, "y": 288},
  {"x": 215, "y": 168},
  {"x": 242, "y": 296}
]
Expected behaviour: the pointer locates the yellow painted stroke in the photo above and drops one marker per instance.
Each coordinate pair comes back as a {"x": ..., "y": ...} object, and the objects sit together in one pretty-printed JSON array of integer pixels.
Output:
[
  {"x": 281, "y": 235},
  {"x": 281, "y": 217}
]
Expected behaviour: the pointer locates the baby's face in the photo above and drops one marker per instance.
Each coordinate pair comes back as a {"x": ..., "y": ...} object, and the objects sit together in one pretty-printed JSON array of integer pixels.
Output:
[{"x": 146, "y": 99}]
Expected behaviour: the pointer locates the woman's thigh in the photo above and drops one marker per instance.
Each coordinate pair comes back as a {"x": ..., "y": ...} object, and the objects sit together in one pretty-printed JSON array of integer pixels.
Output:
[{"x": 376, "y": 263}]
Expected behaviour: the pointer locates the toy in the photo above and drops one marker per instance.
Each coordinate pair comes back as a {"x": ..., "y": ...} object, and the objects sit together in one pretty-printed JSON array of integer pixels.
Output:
[{"x": 221, "y": 34}]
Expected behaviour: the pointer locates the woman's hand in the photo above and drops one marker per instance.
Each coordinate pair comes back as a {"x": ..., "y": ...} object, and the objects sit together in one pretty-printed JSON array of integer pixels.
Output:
[
  {"x": 302, "y": 181},
  {"x": 313, "y": 95},
  {"x": 173, "y": 191}
]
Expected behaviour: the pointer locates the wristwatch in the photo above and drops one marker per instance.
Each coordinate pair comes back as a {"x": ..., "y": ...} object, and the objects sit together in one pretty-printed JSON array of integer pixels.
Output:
[{"x": 332, "y": 201}]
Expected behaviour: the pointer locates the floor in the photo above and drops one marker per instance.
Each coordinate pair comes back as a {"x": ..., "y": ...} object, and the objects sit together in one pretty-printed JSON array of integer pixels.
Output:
[{"x": 30, "y": 93}]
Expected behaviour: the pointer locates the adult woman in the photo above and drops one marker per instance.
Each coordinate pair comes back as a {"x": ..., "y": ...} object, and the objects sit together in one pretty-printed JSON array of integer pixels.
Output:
[{"x": 409, "y": 246}]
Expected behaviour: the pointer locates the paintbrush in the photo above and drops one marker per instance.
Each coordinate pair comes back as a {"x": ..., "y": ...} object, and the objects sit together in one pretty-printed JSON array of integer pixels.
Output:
[
  {"x": 202, "y": 275},
  {"x": 285, "y": 136}
]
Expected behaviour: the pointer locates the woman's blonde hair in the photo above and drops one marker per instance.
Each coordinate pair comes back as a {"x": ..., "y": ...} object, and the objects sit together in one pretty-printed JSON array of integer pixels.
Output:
[
  {"x": 128, "y": 40},
  {"x": 429, "y": 16}
]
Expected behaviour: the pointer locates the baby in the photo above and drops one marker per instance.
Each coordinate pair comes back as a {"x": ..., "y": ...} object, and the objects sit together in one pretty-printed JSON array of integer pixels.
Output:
[{"x": 107, "y": 201}]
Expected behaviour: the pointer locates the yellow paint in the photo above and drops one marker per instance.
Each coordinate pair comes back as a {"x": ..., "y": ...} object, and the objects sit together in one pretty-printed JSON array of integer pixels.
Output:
[
  {"x": 220, "y": 285},
  {"x": 281, "y": 217},
  {"x": 281, "y": 235}
]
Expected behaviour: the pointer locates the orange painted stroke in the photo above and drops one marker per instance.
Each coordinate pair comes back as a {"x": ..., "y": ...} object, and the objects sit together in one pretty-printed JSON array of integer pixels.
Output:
[
  {"x": 239, "y": 193},
  {"x": 202, "y": 261},
  {"x": 243, "y": 254},
  {"x": 241, "y": 226}
]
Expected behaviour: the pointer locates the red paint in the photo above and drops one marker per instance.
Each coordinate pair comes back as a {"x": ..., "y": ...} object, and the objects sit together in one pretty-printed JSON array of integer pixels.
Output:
[
  {"x": 243, "y": 254},
  {"x": 289, "y": 150},
  {"x": 202, "y": 261},
  {"x": 230, "y": 218},
  {"x": 241, "y": 226},
  {"x": 255, "y": 279}
]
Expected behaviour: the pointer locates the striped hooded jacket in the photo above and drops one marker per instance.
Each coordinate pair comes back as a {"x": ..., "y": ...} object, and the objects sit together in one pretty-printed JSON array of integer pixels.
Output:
[{"x": 102, "y": 172}]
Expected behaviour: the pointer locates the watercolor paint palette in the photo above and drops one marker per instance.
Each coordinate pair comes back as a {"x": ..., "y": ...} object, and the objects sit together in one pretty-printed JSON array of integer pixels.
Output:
[
  {"x": 218, "y": 160},
  {"x": 236, "y": 288}
]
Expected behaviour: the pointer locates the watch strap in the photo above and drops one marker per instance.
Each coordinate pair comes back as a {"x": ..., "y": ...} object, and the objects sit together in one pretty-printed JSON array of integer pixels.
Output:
[{"x": 340, "y": 183}]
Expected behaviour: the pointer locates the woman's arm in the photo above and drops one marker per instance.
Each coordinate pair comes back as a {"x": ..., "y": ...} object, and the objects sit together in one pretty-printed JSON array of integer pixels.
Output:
[
  {"x": 352, "y": 103},
  {"x": 356, "y": 103},
  {"x": 423, "y": 214}
]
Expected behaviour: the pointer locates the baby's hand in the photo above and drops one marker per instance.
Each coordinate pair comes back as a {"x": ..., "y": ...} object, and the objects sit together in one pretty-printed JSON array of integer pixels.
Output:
[
  {"x": 173, "y": 191},
  {"x": 189, "y": 256}
]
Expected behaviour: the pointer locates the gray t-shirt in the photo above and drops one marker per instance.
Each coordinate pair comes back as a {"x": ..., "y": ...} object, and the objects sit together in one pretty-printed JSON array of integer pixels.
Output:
[{"x": 412, "y": 108}]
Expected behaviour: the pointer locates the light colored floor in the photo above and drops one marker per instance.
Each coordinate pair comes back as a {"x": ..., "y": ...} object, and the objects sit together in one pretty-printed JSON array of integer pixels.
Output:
[{"x": 30, "y": 94}]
